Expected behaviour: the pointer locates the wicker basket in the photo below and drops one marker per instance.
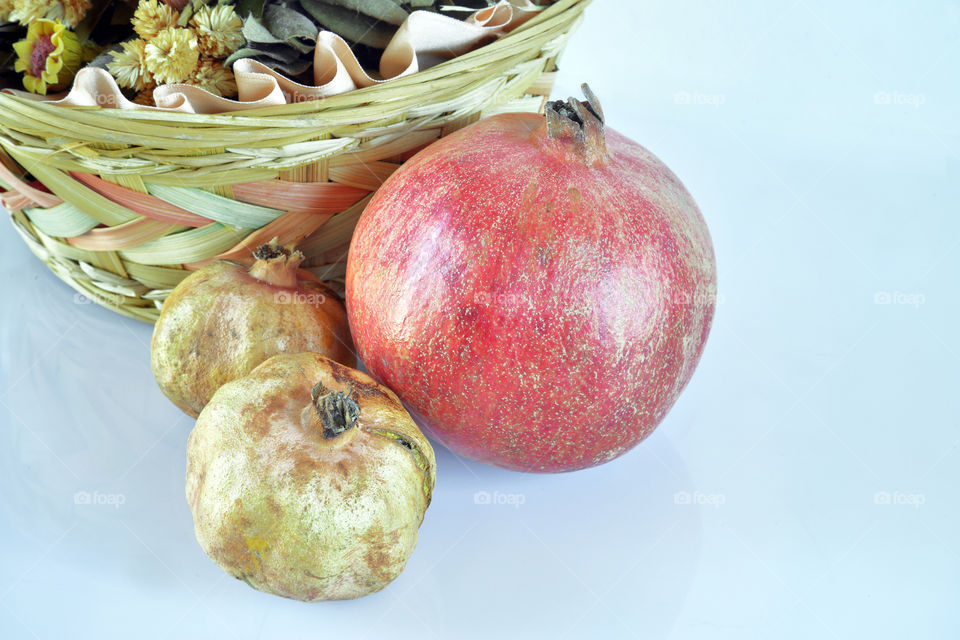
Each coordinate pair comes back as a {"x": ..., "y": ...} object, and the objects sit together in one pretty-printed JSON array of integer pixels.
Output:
[{"x": 134, "y": 200}]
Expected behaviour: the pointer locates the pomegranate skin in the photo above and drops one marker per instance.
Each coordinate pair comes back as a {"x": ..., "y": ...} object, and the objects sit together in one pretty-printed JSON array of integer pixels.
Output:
[
  {"x": 222, "y": 321},
  {"x": 535, "y": 306},
  {"x": 298, "y": 512}
]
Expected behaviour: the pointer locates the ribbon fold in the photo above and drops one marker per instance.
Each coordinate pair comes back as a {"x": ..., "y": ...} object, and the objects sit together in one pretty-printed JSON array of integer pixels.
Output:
[{"x": 423, "y": 40}]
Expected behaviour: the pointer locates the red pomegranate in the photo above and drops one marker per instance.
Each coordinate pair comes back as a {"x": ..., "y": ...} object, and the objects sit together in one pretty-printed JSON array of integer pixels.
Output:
[{"x": 537, "y": 291}]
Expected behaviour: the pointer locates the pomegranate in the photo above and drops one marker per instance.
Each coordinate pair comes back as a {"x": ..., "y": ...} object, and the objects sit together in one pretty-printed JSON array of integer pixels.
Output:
[
  {"x": 309, "y": 480},
  {"x": 537, "y": 290},
  {"x": 225, "y": 319}
]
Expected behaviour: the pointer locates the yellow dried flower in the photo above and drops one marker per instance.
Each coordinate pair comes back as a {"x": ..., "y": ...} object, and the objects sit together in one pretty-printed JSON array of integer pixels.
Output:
[
  {"x": 218, "y": 29},
  {"x": 48, "y": 57},
  {"x": 71, "y": 12},
  {"x": 6, "y": 7},
  {"x": 129, "y": 65},
  {"x": 152, "y": 17},
  {"x": 171, "y": 56},
  {"x": 26, "y": 11},
  {"x": 74, "y": 11},
  {"x": 215, "y": 78}
]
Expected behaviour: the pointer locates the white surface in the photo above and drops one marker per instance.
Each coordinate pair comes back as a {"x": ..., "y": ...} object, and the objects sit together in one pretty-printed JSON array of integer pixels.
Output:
[{"x": 811, "y": 400}]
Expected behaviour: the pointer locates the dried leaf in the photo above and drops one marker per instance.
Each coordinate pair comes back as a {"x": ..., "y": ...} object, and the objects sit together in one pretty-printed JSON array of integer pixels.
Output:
[
  {"x": 279, "y": 24},
  {"x": 104, "y": 58},
  {"x": 280, "y": 53},
  {"x": 385, "y": 10},
  {"x": 245, "y": 8},
  {"x": 350, "y": 25},
  {"x": 291, "y": 68}
]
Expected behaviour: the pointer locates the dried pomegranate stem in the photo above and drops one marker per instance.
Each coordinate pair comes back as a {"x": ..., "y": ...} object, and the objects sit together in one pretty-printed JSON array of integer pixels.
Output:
[
  {"x": 580, "y": 122},
  {"x": 337, "y": 411},
  {"x": 276, "y": 265}
]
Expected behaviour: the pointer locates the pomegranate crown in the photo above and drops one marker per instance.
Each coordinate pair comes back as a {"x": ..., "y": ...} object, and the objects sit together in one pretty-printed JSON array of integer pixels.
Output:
[
  {"x": 579, "y": 121},
  {"x": 338, "y": 411}
]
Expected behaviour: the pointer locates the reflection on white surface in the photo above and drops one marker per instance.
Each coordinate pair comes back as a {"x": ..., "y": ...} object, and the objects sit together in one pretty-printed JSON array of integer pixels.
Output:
[
  {"x": 804, "y": 485},
  {"x": 93, "y": 465}
]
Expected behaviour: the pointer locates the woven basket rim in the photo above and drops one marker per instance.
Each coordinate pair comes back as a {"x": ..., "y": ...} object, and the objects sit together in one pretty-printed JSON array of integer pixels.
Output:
[
  {"x": 136, "y": 199},
  {"x": 364, "y": 95}
]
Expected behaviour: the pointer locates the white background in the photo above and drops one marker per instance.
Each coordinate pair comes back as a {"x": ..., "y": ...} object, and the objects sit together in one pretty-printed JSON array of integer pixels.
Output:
[{"x": 817, "y": 444}]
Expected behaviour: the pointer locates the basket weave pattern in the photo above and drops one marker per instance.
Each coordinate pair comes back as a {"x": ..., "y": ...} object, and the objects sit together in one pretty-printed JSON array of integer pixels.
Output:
[{"x": 122, "y": 205}]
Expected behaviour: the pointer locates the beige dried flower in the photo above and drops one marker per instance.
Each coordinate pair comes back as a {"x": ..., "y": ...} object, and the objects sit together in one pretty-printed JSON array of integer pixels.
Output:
[
  {"x": 171, "y": 56},
  {"x": 152, "y": 17},
  {"x": 74, "y": 11},
  {"x": 26, "y": 11},
  {"x": 69, "y": 12},
  {"x": 129, "y": 65},
  {"x": 219, "y": 30},
  {"x": 215, "y": 78}
]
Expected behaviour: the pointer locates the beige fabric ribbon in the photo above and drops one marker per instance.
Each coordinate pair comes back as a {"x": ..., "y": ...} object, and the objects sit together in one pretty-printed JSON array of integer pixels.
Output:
[{"x": 423, "y": 40}]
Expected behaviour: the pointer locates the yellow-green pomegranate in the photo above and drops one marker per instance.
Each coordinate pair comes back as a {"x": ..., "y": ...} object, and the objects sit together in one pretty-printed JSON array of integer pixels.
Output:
[
  {"x": 226, "y": 318},
  {"x": 308, "y": 479}
]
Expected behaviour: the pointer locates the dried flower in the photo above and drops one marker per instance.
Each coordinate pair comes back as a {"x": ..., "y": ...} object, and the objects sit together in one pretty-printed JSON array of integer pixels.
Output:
[
  {"x": 129, "y": 65},
  {"x": 151, "y": 18},
  {"x": 145, "y": 97},
  {"x": 215, "y": 78},
  {"x": 171, "y": 56},
  {"x": 6, "y": 7},
  {"x": 74, "y": 11},
  {"x": 49, "y": 57},
  {"x": 218, "y": 29},
  {"x": 26, "y": 11}
]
